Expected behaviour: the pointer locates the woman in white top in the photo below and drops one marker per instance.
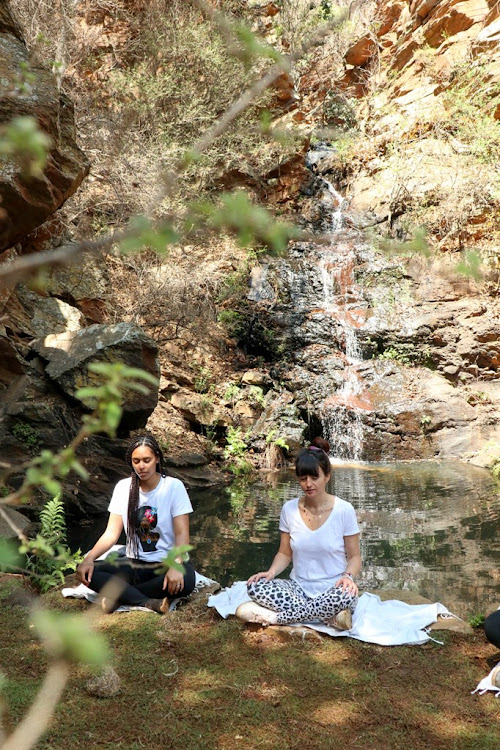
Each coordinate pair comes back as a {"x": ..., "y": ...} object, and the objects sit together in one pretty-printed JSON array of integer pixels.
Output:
[
  {"x": 154, "y": 510},
  {"x": 320, "y": 537}
]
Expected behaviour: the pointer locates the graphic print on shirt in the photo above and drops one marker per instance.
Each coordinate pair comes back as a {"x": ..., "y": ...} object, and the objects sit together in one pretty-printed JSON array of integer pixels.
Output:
[{"x": 148, "y": 519}]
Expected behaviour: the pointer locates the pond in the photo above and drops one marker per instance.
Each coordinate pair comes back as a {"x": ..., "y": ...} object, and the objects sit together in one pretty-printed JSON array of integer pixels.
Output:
[{"x": 432, "y": 527}]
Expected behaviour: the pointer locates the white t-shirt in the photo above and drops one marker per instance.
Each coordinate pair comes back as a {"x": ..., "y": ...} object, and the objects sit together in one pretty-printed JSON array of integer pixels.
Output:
[
  {"x": 318, "y": 556},
  {"x": 157, "y": 510}
]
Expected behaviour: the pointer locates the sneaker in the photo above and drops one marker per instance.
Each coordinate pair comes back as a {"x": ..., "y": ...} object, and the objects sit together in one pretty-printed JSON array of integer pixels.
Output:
[{"x": 341, "y": 621}]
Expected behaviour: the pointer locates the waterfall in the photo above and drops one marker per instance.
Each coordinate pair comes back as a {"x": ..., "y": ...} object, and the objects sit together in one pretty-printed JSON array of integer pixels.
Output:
[{"x": 341, "y": 412}]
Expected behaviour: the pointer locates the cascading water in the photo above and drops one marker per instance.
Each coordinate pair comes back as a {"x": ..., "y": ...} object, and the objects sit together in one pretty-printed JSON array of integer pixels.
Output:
[
  {"x": 317, "y": 316},
  {"x": 341, "y": 413}
]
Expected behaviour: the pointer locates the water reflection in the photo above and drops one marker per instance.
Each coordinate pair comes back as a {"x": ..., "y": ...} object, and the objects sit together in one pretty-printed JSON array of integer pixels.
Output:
[{"x": 432, "y": 527}]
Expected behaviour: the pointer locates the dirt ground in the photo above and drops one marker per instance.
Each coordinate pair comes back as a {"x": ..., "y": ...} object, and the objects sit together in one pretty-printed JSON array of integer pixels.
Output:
[{"x": 192, "y": 681}]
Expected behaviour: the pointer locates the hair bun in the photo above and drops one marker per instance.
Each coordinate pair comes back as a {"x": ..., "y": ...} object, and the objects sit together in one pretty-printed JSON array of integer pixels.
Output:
[{"x": 322, "y": 443}]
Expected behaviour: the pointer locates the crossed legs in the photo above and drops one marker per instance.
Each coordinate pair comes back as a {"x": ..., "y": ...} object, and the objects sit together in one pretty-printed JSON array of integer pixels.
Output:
[
  {"x": 137, "y": 582},
  {"x": 291, "y": 604}
]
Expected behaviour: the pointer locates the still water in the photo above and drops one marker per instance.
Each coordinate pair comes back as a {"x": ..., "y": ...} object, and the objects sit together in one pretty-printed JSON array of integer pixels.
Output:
[{"x": 430, "y": 527}]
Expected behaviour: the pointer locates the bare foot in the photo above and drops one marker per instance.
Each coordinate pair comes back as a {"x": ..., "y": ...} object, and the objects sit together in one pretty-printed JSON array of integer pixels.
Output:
[
  {"x": 341, "y": 621},
  {"x": 109, "y": 605},
  {"x": 253, "y": 612}
]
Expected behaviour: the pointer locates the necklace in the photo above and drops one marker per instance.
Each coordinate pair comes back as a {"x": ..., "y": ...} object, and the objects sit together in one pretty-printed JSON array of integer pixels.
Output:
[{"x": 321, "y": 511}]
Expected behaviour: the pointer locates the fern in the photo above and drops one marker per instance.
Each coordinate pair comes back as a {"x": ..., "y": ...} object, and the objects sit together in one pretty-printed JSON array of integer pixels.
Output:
[
  {"x": 49, "y": 558},
  {"x": 53, "y": 523}
]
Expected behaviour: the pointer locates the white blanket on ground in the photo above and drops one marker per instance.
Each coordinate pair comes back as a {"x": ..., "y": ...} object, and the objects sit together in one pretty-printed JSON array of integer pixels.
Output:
[
  {"x": 389, "y": 623},
  {"x": 83, "y": 592}
]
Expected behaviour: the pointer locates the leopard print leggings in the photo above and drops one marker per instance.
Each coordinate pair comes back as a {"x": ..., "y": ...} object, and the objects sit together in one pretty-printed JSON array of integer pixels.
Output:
[{"x": 292, "y": 605}]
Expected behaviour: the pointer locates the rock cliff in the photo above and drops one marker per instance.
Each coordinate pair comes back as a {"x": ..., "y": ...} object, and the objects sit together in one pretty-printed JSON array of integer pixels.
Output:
[{"x": 30, "y": 90}]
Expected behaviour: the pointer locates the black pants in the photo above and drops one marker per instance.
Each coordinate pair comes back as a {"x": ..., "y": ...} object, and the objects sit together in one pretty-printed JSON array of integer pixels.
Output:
[
  {"x": 138, "y": 580},
  {"x": 492, "y": 628}
]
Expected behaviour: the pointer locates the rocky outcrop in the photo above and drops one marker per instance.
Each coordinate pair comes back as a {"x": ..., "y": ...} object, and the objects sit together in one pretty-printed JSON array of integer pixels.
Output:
[
  {"x": 388, "y": 357},
  {"x": 18, "y": 520},
  {"x": 67, "y": 355},
  {"x": 29, "y": 90},
  {"x": 446, "y": 30},
  {"x": 39, "y": 410}
]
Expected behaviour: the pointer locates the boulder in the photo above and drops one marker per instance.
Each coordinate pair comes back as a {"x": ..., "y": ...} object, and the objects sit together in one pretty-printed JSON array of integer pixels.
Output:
[
  {"x": 49, "y": 314},
  {"x": 199, "y": 409},
  {"x": 26, "y": 200},
  {"x": 256, "y": 377},
  {"x": 22, "y": 523},
  {"x": 67, "y": 356},
  {"x": 452, "y": 18},
  {"x": 86, "y": 286},
  {"x": 361, "y": 52}
]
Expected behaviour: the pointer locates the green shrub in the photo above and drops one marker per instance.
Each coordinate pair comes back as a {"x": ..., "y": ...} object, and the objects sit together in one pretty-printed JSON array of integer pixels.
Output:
[
  {"x": 27, "y": 435},
  {"x": 477, "y": 620},
  {"x": 235, "y": 452},
  {"x": 203, "y": 379}
]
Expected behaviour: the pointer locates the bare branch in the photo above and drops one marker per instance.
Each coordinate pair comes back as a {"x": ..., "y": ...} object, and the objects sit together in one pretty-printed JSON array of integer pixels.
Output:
[{"x": 30, "y": 729}]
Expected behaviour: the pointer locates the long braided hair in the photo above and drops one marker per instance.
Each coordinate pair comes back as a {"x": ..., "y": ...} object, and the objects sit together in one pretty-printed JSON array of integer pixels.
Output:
[{"x": 133, "y": 497}]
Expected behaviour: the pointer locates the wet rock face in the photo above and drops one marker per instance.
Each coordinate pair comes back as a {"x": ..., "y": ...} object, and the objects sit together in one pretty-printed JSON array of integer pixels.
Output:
[
  {"x": 389, "y": 358},
  {"x": 26, "y": 201}
]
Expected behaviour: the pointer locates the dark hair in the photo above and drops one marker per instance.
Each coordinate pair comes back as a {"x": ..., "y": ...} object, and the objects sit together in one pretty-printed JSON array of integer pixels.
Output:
[
  {"x": 315, "y": 457},
  {"x": 133, "y": 496}
]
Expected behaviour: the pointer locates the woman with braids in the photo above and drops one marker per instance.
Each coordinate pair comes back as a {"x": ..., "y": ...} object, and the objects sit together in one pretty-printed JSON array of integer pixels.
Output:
[
  {"x": 154, "y": 510},
  {"x": 320, "y": 537}
]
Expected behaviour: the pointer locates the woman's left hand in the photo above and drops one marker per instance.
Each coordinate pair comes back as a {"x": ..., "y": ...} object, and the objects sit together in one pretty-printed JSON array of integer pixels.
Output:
[
  {"x": 347, "y": 584},
  {"x": 173, "y": 582}
]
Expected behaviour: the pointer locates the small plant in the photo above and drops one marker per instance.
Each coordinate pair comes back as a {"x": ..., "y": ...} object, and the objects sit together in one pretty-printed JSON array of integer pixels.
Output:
[
  {"x": 27, "y": 435},
  {"x": 231, "y": 393},
  {"x": 408, "y": 354},
  {"x": 279, "y": 442},
  {"x": 478, "y": 397},
  {"x": 50, "y": 558},
  {"x": 235, "y": 452},
  {"x": 206, "y": 403},
  {"x": 477, "y": 620},
  {"x": 425, "y": 423},
  {"x": 256, "y": 395},
  {"x": 202, "y": 379},
  {"x": 395, "y": 355}
]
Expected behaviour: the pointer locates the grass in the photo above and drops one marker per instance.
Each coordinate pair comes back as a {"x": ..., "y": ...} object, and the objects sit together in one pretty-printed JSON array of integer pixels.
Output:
[{"x": 196, "y": 682}]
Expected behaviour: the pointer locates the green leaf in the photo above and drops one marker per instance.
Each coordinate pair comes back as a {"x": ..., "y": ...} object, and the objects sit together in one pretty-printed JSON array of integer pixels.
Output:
[
  {"x": 9, "y": 555},
  {"x": 113, "y": 415},
  {"x": 71, "y": 637},
  {"x": 142, "y": 233},
  {"x": 23, "y": 140}
]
